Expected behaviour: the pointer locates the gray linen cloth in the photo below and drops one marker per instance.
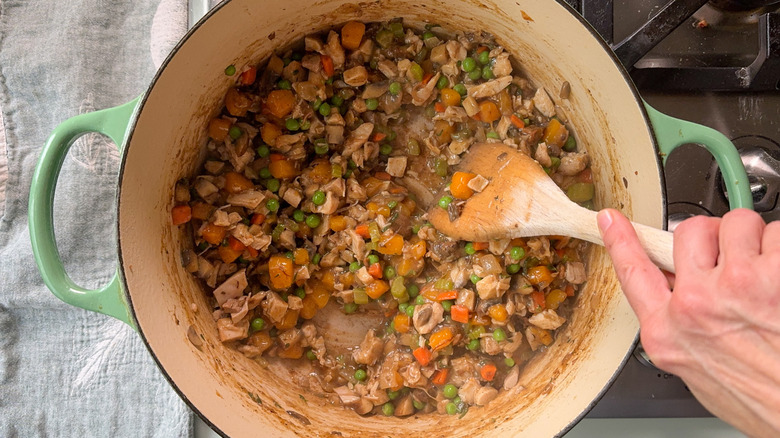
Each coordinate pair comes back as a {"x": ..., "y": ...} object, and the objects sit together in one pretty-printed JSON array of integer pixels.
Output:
[{"x": 66, "y": 372}]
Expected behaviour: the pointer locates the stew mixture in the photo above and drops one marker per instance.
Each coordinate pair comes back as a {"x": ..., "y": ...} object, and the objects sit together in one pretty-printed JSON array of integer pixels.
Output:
[{"x": 313, "y": 193}]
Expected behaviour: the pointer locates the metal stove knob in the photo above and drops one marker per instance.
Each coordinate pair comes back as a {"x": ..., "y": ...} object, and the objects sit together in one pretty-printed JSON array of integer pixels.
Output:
[{"x": 763, "y": 172}]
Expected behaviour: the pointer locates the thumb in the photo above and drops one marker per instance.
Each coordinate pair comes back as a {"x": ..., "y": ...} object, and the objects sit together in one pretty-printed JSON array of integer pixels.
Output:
[{"x": 644, "y": 284}]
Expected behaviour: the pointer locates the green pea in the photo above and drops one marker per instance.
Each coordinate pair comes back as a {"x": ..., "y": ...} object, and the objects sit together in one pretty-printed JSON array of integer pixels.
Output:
[
  {"x": 230, "y": 70},
  {"x": 313, "y": 220},
  {"x": 305, "y": 125},
  {"x": 389, "y": 272},
  {"x": 483, "y": 57},
  {"x": 283, "y": 84},
  {"x": 450, "y": 391},
  {"x": 310, "y": 354},
  {"x": 316, "y": 104},
  {"x": 451, "y": 408},
  {"x": 492, "y": 134},
  {"x": 321, "y": 146},
  {"x": 354, "y": 266},
  {"x": 385, "y": 149},
  {"x": 499, "y": 334},
  {"x": 580, "y": 192},
  {"x": 468, "y": 64},
  {"x": 416, "y": 228},
  {"x": 440, "y": 166},
  {"x": 402, "y": 307},
  {"x": 445, "y": 201},
  {"x": 473, "y": 345},
  {"x": 372, "y": 104},
  {"x": 410, "y": 311},
  {"x": 263, "y": 151},
  {"x": 292, "y": 124},
  {"x": 325, "y": 109},
  {"x": 318, "y": 198},
  {"x": 517, "y": 252},
  {"x": 475, "y": 74},
  {"x": 571, "y": 144},
  {"x": 337, "y": 100},
  {"x": 469, "y": 248},
  {"x": 461, "y": 89},
  {"x": 513, "y": 269},
  {"x": 272, "y": 205},
  {"x": 273, "y": 185},
  {"x": 235, "y": 132},
  {"x": 475, "y": 278},
  {"x": 394, "y": 88},
  {"x": 509, "y": 362},
  {"x": 447, "y": 305},
  {"x": 316, "y": 259},
  {"x": 418, "y": 404},
  {"x": 420, "y": 300},
  {"x": 360, "y": 375},
  {"x": 443, "y": 82},
  {"x": 350, "y": 308},
  {"x": 388, "y": 409},
  {"x": 428, "y": 34},
  {"x": 265, "y": 173},
  {"x": 392, "y": 395},
  {"x": 299, "y": 216},
  {"x": 413, "y": 290},
  {"x": 487, "y": 73},
  {"x": 392, "y": 204},
  {"x": 258, "y": 324},
  {"x": 289, "y": 255}
]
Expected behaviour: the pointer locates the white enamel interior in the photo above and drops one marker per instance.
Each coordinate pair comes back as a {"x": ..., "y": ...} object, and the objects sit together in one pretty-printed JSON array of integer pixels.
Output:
[{"x": 552, "y": 45}]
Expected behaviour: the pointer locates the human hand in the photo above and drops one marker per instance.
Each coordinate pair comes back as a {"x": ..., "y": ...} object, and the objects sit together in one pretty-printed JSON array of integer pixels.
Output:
[{"x": 720, "y": 329}]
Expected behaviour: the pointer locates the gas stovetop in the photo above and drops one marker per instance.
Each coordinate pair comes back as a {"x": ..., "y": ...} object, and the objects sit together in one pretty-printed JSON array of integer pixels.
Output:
[{"x": 718, "y": 66}]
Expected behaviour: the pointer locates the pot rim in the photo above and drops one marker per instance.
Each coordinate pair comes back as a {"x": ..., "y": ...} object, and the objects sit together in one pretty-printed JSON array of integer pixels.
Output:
[{"x": 142, "y": 102}]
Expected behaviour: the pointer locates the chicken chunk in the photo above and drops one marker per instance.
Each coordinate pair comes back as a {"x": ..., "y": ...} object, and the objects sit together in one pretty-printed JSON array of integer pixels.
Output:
[
  {"x": 547, "y": 319},
  {"x": 231, "y": 331},
  {"x": 492, "y": 286},
  {"x": 369, "y": 350},
  {"x": 427, "y": 316},
  {"x": 232, "y": 288}
]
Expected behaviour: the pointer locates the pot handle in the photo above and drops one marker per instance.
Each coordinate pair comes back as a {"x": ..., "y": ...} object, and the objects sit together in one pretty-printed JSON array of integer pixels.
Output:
[
  {"x": 672, "y": 133},
  {"x": 108, "y": 299}
]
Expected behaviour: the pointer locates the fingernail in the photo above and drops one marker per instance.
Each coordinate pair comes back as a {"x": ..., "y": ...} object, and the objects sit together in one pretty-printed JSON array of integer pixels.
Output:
[{"x": 604, "y": 219}]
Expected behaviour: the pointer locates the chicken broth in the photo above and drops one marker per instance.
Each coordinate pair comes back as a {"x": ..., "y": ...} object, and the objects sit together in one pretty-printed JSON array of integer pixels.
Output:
[{"x": 319, "y": 170}]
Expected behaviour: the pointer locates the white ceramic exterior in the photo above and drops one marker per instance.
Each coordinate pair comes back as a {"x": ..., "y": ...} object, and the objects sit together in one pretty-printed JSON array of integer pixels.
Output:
[{"x": 240, "y": 397}]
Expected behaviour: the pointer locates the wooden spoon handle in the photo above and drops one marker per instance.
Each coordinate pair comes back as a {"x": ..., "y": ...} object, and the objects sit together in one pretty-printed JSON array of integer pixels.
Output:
[{"x": 657, "y": 243}]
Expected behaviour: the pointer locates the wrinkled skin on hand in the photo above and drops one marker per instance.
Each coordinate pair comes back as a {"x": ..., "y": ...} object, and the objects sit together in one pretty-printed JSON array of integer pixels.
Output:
[{"x": 719, "y": 329}]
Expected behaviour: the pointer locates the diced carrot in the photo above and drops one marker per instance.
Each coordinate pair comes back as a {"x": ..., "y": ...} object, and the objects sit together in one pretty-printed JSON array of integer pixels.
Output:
[
  {"x": 375, "y": 270},
  {"x": 408, "y": 267},
  {"x": 280, "y": 268},
  {"x": 538, "y": 299},
  {"x": 377, "y": 288},
  {"x": 213, "y": 234},
  {"x": 238, "y": 103},
  {"x": 228, "y": 254},
  {"x": 276, "y": 157},
  {"x": 488, "y": 372},
  {"x": 248, "y": 77},
  {"x": 379, "y": 136},
  {"x": 252, "y": 252},
  {"x": 441, "y": 338},
  {"x": 352, "y": 34},
  {"x": 460, "y": 313},
  {"x": 382, "y": 175},
  {"x": 283, "y": 169},
  {"x": 569, "y": 290},
  {"x": 540, "y": 275},
  {"x": 498, "y": 312},
  {"x": 555, "y": 134},
  {"x": 362, "y": 231},
  {"x": 450, "y": 97},
  {"x": 320, "y": 171},
  {"x": 269, "y": 132},
  {"x": 423, "y": 355},
  {"x": 477, "y": 117},
  {"x": 459, "y": 186},
  {"x": 440, "y": 376},
  {"x": 480, "y": 246},
  {"x": 517, "y": 121},
  {"x": 481, "y": 49},
  {"x": 219, "y": 129},
  {"x": 338, "y": 223},
  {"x": 319, "y": 292},
  {"x": 237, "y": 183},
  {"x": 418, "y": 249},
  {"x": 181, "y": 214},
  {"x": 401, "y": 323},
  {"x": 327, "y": 65},
  {"x": 392, "y": 246},
  {"x": 447, "y": 295},
  {"x": 442, "y": 131},
  {"x": 258, "y": 219},
  {"x": 309, "y": 309},
  {"x": 439, "y": 107},
  {"x": 586, "y": 176},
  {"x": 488, "y": 111},
  {"x": 427, "y": 77},
  {"x": 280, "y": 103},
  {"x": 288, "y": 321},
  {"x": 235, "y": 244},
  {"x": 301, "y": 256}
]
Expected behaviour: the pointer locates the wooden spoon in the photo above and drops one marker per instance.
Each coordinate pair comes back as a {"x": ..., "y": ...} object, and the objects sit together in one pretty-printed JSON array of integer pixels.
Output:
[{"x": 522, "y": 201}]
